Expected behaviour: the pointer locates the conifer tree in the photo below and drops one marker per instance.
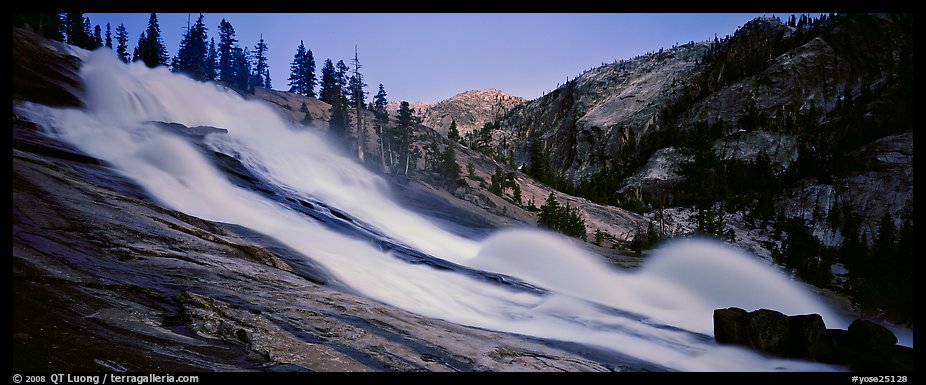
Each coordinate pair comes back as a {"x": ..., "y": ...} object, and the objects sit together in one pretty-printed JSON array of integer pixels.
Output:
[
  {"x": 136, "y": 54},
  {"x": 150, "y": 49},
  {"x": 260, "y": 77},
  {"x": 340, "y": 120},
  {"x": 122, "y": 37},
  {"x": 308, "y": 73},
  {"x": 74, "y": 30},
  {"x": 296, "y": 81},
  {"x": 380, "y": 120},
  {"x": 453, "y": 134},
  {"x": 241, "y": 66},
  {"x": 97, "y": 37},
  {"x": 109, "y": 37},
  {"x": 356, "y": 99},
  {"x": 448, "y": 167},
  {"x": 302, "y": 72},
  {"x": 328, "y": 83},
  {"x": 405, "y": 121},
  {"x": 89, "y": 40},
  {"x": 212, "y": 64},
  {"x": 191, "y": 58},
  {"x": 227, "y": 55}
]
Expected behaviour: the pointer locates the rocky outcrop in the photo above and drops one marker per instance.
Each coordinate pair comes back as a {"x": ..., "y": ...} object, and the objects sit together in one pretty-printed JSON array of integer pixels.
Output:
[
  {"x": 865, "y": 346},
  {"x": 597, "y": 119},
  {"x": 470, "y": 109},
  {"x": 882, "y": 184}
]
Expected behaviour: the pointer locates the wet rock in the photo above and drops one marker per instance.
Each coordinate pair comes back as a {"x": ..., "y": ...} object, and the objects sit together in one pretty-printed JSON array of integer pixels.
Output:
[
  {"x": 866, "y": 346},
  {"x": 806, "y": 331},
  {"x": 769, "y": 332},
  {"x": 833, "y": 347},
  {"x": 731, "y": 326},
  {"x": 867, "y": 334}
]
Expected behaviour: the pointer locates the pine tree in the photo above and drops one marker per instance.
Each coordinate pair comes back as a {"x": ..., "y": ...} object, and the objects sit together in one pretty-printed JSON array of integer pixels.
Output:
[
  {"x": 212, "y": 64},
  {"x": 448, "y": 167},
  {"x": 97, "y": 37},
  {"x": 329, "y": 83},
  {"x": 308, "y": 73},
  {"x": 302, "y": 72},
  {"x": 150, "y": 49},
  {"x": 340, "y": 76},
  {"x": 122, "y": 37},
  {"x": 405, "y": 121},
  {"x": 227, "y": 55},
  {"x": 109, "y": 37},
  {"x": 379, "y": 106},
  {"x": 380, "y": 120},
  {"x": 340, "y": 120},
  {"x": 485, "y": 136},
  {"x": 191, "y": 58},
  {"x": 356, "y": 94},
  {"x": 89, "y": 40},
  {"x": 296, "y": 71},
  {"x": 339, "y": 124},
  {"x": 516, "y": 193},
  {"x": 537, "y": 167},
  {"x": 495, "y": 187},
  {"x": 137, "y": 53},
  {"x": 74, "y": 30},
  {"x": 357, "y": 98},
  {"x": 453, "y": 134},
  {"x": 241, "y": 67},
  {"x": 260, "y": 76},
  {"x": 549, "y": 213}
]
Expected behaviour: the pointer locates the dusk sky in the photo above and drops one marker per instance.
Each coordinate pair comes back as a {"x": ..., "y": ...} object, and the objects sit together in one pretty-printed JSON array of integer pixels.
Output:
[{"x": 431, "y": 57}]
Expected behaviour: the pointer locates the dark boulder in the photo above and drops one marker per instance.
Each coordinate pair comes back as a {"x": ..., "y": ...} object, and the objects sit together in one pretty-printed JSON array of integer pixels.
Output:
[
  {"x": 731, "y": 326},
  {"x": 833, "y": 347},
  {"x": 866, "y": 346},
  {"x": 869, "y": 335},
  {"x": 770, "y": 332},
  {"x": 806, "y": 331}
]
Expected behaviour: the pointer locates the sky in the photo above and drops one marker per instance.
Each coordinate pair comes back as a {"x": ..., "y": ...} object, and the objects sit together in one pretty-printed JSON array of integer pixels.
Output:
[{"x": 431, "y": 57}]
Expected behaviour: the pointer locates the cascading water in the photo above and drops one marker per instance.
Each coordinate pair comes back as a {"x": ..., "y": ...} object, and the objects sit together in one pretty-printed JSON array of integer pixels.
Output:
[{"x": 660, "y": 313}]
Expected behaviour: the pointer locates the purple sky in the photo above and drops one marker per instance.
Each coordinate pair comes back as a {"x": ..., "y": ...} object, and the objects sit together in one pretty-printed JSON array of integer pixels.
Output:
[{"x": 431, "y": 57}]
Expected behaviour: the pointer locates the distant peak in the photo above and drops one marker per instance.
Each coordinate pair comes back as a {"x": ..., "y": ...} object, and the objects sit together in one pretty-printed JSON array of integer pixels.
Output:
[{"x": 491, "y": 93}]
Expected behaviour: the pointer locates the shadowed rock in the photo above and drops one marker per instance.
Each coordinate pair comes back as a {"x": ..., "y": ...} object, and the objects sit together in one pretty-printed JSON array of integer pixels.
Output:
[
  {"x": 731, "y": 326},
  {"x": 866, "y": 346},
  {"x": 770, "y": 332}
]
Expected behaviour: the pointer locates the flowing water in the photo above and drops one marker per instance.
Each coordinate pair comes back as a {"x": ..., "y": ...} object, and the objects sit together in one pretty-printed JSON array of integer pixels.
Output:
[{"x": 660, "y": 313}]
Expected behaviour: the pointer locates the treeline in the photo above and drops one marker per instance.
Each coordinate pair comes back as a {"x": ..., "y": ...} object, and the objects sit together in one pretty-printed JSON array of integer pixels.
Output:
[
  {"x": 243, "y": 68},
  {"x": 201, "y": 59},
  {"x": 565, "y": 219},
  {"x": 880, "y": 273}
]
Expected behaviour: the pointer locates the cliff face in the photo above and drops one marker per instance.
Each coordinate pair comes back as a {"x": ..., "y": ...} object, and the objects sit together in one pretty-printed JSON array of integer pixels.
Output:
[
  {"x": 802, "y": 93},
  {"x": 597, "y": 119}
]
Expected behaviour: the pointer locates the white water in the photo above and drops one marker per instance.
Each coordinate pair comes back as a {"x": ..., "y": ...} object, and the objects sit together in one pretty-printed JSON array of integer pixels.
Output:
[{"x": 679, "y": 286}]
